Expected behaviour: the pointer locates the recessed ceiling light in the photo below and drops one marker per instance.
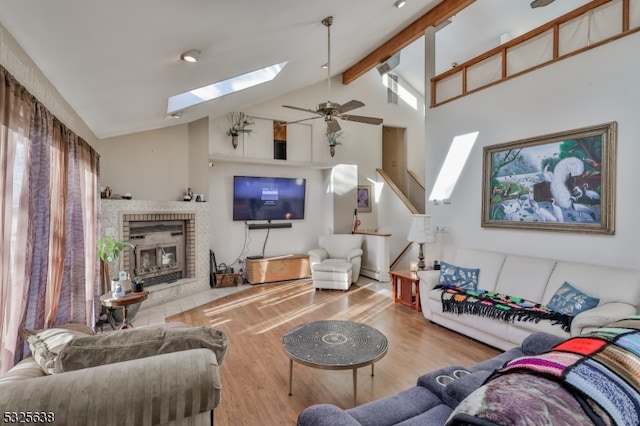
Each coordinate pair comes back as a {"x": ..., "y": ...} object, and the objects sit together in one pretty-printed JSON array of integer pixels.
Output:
[
  {"x": 399, "y": 3},
  {"x": 190, "y": 56},
  {"x": 325, "y": 65},
  {"x": 176, "y": 114}
]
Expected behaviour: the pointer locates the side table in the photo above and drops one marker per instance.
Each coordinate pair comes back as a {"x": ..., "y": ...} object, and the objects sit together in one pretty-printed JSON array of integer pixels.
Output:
[
  {"x": 111, "y": 303},
  {"x": 405, "y": 285}
]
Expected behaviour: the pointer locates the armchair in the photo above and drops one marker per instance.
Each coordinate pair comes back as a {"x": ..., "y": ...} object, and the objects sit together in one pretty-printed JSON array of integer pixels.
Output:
[{"x": 336, "y": 263}]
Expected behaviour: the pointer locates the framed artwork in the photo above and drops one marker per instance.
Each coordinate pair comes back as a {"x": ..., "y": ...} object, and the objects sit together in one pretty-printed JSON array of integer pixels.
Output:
[
  {"x": 364, "y": 198},
  {"x": 559, "y": 182}
]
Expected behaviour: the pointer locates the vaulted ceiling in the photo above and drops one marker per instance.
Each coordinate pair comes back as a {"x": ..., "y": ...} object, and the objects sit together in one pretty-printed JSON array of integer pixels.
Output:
[{"x": 117, "y": 62}]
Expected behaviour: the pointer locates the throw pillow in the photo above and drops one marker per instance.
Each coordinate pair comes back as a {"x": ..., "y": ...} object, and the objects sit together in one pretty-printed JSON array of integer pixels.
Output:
[
  {"x": 457, "y": 276},
  {"x": 46, "y": 344},
  {"x": 125, "y": 345},
  {"x": 569, "y": 300}
]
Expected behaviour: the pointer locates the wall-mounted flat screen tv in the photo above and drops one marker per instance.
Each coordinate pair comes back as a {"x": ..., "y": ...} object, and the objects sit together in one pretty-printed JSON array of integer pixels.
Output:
[{"x": 268, "y": 198}]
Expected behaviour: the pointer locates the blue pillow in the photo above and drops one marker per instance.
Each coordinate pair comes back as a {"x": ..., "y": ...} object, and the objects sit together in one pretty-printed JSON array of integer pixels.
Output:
[
  {"x": 569, "y": 300},
  {"x": 456, "y": 276}
]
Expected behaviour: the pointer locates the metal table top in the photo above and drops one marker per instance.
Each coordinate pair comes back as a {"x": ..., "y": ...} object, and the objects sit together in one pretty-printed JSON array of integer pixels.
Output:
[{"x": 335, "y": 345}]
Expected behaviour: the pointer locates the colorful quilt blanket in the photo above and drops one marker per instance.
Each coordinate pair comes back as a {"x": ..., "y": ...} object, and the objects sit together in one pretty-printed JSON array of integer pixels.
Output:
[
  {"x": 594, "y": 378},
  {"x": 495, "y": 305}
]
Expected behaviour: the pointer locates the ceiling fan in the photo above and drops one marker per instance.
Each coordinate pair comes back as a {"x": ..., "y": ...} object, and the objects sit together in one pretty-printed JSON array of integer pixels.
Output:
[{"x": 331, "y": 111}]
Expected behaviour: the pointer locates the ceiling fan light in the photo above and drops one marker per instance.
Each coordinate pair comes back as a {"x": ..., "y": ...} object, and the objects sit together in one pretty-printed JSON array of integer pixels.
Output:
[
  {"x": 399, "y": 3},
  {"x": 190, "y": 56}
]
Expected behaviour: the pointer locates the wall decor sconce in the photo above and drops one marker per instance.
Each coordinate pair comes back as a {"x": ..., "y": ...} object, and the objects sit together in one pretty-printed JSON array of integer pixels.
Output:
[{"x": 239, "y": 123}]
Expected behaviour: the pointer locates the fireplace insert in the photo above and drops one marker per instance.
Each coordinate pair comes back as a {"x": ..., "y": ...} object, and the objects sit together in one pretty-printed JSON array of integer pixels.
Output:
[{"x": 159, "y": 251}]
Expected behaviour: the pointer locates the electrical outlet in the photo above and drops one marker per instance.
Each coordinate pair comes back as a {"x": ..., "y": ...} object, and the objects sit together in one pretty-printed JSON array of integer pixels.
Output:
[{"x": 442, "y": 229}]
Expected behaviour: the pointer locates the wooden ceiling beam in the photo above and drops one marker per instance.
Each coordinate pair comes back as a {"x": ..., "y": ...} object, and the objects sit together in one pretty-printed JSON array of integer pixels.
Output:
[{"x": 434, "y": 17}]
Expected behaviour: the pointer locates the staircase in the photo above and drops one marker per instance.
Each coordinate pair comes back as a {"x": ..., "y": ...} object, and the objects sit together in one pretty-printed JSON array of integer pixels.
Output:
[{"x": 394, "y": 217}]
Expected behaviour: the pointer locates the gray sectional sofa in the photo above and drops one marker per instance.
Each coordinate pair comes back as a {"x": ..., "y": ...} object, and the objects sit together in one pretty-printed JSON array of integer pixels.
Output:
[
  {"x": 589, "y": 379},
  {"x": 431, "y": 401}
]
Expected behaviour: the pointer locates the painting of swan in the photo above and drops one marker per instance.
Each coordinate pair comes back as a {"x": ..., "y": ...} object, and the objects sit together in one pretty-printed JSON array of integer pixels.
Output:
[{"x": 556, "y": 182}]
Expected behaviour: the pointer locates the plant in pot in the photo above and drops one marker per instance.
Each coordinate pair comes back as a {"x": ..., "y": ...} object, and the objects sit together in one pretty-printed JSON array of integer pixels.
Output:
[
  {"x": 137, "y": 284},
  {"x": 240, "y": 122},
  {"x": 334, "y": 139},
  {"x": 109, "y": 251}
]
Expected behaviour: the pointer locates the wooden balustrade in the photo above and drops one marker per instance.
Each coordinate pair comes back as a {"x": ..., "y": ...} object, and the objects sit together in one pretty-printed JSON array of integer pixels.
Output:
[{"x": 457, "y": 80}]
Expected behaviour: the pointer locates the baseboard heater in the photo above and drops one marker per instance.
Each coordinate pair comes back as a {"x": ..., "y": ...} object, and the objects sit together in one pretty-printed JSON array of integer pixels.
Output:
[
  {"x": 371, "y": 272},
  {"x": 269, "y": 225}
]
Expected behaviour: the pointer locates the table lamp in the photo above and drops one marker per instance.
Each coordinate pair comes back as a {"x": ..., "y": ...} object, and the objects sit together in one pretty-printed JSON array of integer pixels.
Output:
[{"x": 420, "y": 232}]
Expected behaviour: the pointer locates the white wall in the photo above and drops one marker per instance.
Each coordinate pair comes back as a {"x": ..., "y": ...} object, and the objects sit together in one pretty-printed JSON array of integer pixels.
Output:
[
  {"x": 151, "y": 165},
  {"x": 361, "y": 144},
  {"x": 591, "y": 88},
  {"x": 198, "y": 178},
  {"x": 326, "y": 213},
  {"x": 228, "y": 238},
  {"x": 161, "y": 164}
]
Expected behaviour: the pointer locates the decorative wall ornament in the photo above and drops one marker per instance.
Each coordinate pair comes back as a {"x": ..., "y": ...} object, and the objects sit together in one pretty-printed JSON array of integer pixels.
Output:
[
  {"x": 559, "y": 182},
  {"x": 239, "y": 123}
]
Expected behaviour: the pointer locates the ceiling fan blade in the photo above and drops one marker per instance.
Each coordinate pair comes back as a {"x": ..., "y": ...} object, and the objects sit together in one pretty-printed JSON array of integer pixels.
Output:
[
  {"x": 304, "y": 119},
  {"x": 333, "y": 126},
  {"x": 361, "y": 119},
  {"x": 301, "y": 109},
  {"x": 353, "y": 104}
]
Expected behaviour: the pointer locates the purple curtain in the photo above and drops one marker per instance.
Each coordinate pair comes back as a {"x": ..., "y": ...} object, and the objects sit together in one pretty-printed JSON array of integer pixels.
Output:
[{"x": 49, "y": 205}]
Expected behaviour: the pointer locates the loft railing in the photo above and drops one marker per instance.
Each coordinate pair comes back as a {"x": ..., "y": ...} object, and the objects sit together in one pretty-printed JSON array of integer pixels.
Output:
[{"x": 585, "y": 28}]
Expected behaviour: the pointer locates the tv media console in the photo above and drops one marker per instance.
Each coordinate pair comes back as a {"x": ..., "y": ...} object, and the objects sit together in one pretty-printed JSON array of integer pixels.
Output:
[{"x": 277, "y": 268}]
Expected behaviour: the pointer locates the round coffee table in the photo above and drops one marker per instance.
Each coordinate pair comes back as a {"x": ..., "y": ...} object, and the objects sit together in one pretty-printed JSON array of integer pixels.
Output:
[{"x": 334, "y": 345}]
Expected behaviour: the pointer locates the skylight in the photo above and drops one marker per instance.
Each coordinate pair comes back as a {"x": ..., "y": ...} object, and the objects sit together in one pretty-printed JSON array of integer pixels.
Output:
[
  {"x": 452, "y": 167},
  {"x": 222, "y": 88}
]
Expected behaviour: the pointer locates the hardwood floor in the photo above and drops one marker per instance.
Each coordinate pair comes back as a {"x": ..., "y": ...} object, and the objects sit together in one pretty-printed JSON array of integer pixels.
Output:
[{"x": 255, "y": 373}]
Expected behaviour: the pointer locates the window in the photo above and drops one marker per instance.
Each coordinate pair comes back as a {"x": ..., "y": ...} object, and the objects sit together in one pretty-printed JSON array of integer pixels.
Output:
[{"x": 222, "y": 88}]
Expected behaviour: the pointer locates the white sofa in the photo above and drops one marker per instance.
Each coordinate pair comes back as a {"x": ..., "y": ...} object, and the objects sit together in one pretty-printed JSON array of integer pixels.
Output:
[{"x": 535, "y": 279}]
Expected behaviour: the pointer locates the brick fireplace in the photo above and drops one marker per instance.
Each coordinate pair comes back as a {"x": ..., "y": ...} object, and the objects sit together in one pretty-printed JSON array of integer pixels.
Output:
[{"x": 179, "y": 268}]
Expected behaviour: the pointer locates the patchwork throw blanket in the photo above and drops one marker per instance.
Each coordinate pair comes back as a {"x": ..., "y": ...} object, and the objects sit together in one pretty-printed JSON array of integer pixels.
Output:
[
  {"x": 595, "y": 379},
  {"x": 495, "y": 305}
]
